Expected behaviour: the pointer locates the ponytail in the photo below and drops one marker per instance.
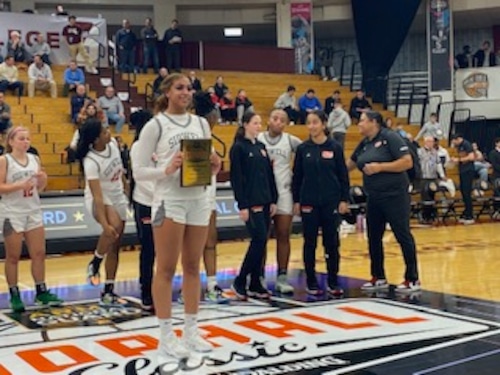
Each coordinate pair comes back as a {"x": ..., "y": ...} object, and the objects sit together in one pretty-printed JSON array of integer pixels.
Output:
[
  {"x": 89, "y": 132},
  {"x": 240, "y": 132}
]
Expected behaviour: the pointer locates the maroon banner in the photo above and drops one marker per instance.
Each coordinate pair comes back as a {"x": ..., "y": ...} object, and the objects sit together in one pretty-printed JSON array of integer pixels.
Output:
[{"x": 302, "y": 36}]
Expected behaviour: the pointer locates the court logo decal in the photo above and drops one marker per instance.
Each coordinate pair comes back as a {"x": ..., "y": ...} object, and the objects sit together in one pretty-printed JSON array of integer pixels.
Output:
[{"x": 253, "y": 338}]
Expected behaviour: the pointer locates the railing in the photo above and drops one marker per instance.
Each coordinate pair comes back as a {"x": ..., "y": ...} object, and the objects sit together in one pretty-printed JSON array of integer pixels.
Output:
[
  {"x": 102, "y": 54},
  {"x": 353, "y": 83},
  {"x": 446, "y": 112},
  {"x": 431, "y": 105},
  {"x": 224, "y": 147},
  {"x": 131, "y": 80},
  {"x": 112, "y": 59},
  {"x": 343, "y": 67},
  {"x": 149, "y": 95}
]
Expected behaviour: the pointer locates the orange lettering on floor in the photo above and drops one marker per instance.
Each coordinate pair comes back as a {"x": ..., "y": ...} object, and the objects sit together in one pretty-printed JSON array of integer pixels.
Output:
[
  {"x": 213, "y": 332},
  {"x": 36, "y": 358},
  {"x": 280, "y": 327},
  {"x": 335, "y": 323},
  {"x": 4, "y": 371},
  {"x": 119, "y": 345},
  {"x": 384, "y": 318}
]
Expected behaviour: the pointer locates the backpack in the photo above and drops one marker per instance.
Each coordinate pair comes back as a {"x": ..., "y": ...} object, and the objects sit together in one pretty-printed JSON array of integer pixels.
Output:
[{"x": 415, "y": 172}]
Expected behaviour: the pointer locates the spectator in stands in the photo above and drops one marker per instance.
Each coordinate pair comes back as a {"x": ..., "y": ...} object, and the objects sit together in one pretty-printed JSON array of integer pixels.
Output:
[
  {"x": 73, "y": 76},
  {"x": 338, "y": 123},
  {"x": 149, "y": 37},
  {"x": 173, "y": 40},
  {"x": 90, "y": 110},
  {"x": 480, "y": 165},
  {"x": 359, "y": 104},
  {"x": 215, "y": 101},
  {"x": 9, "y": 76},
  {"x": 60, "y": 11},
  {"x": 78, "y": 101},
  {"x": 5, "y": 121},
  {"x": 125, "y": 40},
  {"x": 308, "y": 103},
  {"x": 494, "y": 158},
  {"x": 162, "y": 74},
  {"x": 431, "y": 128},
  {"x": 41, "y": 48},
  {"x": 464, "y": 59},
  {"x": 325, "y": 62},
  {"x": 485, "y": 57},
  {"x": 195, "y": 82},
  {"x": 227, "y": 108},
  {"x": 73, "y": 36},
  {"x": 330, "y": 101},
  {"x": 288, "y": 103},
  {"x": 243, "y": 104},
  {"x": 41, "y": 78},
  {"x": 465, "y": 161},
  {"x": 432, "y": 170},
  {"x": 443, "y": 153},
  {"x": 113, "y": 108},
  {"x": 16, "y": 47},
  {"x": 220, "y": 87}
]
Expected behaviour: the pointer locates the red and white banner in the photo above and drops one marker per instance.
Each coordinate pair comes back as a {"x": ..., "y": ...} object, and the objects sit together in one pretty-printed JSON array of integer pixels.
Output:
[
  {"x": 29, "y": 25},
  {"x": 302, "y": 36}
]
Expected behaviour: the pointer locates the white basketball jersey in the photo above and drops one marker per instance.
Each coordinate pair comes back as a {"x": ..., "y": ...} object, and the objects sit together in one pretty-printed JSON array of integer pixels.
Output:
[
  {"x": 107, "y": 167},
  {"x": 173, "y": 129},
  {"x": 280, "y": 150},
  {"x": 144, "y": 190},
  {"x": 20, "y": 201}
]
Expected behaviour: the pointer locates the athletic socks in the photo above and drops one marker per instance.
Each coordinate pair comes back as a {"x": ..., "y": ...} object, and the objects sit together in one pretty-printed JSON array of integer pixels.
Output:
[
  {"x": 190, "y": 324},
  {"x": 165, "y": 327},
  {"x": 109, "y": 286},
  {"x": 211, "y": 282},
  {"x": 14, "y": 291},
  {"x": 41, "y": 288},
  {"x": 96, "y": 260}
]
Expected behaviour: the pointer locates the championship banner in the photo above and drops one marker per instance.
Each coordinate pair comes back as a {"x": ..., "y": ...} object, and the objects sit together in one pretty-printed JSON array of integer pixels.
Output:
[
  {"x": 440, "y": 46},
  {"x": 302, "y": 37},
  {"x": 29, "y": 25},
  {"x": 477, "y": 84}
]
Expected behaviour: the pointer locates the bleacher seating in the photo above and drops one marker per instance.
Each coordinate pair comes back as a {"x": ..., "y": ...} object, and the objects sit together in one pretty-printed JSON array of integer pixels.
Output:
[{"x": 51, "y": 128}]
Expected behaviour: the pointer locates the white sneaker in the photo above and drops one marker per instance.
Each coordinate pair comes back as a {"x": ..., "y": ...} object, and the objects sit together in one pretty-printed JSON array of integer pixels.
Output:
[
  {"x": 375, "y": 283},
  {"x": 92, "y": 70},
  {"x": 408, "y": 287},
  {"x": 192, "y": 340},
  {"x": 282, "y": 285},
  {"x": 171, "y": 346}
]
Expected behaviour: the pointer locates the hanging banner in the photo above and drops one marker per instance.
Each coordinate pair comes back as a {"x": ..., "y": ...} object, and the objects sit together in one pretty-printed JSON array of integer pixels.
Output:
[
  {"x": 440, "y": 46},
  {"x": 29, "y": 25},
  {"x": 302, "y": 37}
]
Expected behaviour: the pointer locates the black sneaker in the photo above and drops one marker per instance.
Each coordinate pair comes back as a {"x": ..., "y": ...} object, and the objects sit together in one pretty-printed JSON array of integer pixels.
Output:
[
  {"x": 335, "y": 291},
  {"x": 313, "y": 288},
  {"x": 147, "y": 301},
  {"x": 258, "y": 291},
  {"x": 239, "y": 290}
]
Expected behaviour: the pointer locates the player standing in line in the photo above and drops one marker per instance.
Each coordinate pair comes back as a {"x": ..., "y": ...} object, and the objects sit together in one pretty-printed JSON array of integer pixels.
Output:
[
  {"x": 141, "y": 196},
  {"x": 180, "y": 215},
  {"x": 21, "y": 179},
  {"x": 281, "y": 146},
  {"x": 105, "y": 199},
  {"x": 254, "y": 186}
]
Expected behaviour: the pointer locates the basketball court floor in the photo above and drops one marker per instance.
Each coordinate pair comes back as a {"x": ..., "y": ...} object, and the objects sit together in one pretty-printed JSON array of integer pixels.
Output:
[{"x": 451, "y": 327}]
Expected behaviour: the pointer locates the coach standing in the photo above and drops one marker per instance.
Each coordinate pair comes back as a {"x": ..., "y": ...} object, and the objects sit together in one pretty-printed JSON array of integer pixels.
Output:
[
  {"x": 384, "y": 158},
  {"x": 465, "y": 162}
]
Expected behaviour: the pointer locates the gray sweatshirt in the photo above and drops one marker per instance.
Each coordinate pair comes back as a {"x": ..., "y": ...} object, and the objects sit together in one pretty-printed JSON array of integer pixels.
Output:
[
  {"x": 285, "y": 100},
  {"x": 113, "y": 105},
  {"x": 429, "y": 129},
  {"x": 338, "y": 121}
]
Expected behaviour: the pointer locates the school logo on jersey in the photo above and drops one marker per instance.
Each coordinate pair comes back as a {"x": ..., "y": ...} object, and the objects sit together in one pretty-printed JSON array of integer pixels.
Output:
[
  {"x": 476, "y": 85},
  {"x": 378, "y": 144},
  {"x": 327, "y": 154}
]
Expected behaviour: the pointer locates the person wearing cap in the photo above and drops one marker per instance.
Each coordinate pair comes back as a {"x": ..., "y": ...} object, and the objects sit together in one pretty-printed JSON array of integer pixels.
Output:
[
  {"x": 384, "y": 159},
  {"x": 465, "y": 161}
]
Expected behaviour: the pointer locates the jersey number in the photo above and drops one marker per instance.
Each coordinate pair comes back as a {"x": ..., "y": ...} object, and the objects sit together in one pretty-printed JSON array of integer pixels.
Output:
[{"x": 28, "y": 193}]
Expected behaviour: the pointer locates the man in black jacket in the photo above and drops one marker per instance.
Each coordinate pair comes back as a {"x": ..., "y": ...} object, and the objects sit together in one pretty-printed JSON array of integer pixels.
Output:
[
  {"x": 330, "y": 101},
  {"x": 494, "y": 159},
  {"x": 359, "y": 104},
  {"x": 485, "y": 57},
  {"x": 125, "y": 40},
  {"x": 173, "y": 40}
]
